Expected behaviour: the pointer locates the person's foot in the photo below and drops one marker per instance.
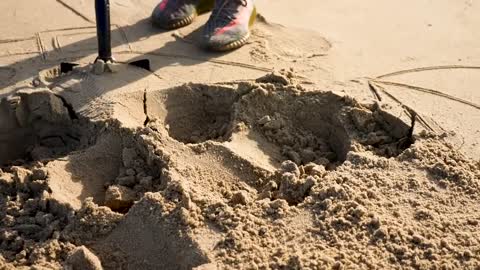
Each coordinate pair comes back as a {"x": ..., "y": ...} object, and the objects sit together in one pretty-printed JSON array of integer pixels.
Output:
[
  {"x": 172, "y": 14},
  {"x": 229, "y": 25}
]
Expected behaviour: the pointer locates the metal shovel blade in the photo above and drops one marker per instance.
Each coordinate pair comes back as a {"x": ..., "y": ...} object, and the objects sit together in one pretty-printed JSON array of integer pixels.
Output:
[
  {"x": 142, "y": 63},
  {"x": 102, "y": 13},
  {"x": 66, "y": 67}
]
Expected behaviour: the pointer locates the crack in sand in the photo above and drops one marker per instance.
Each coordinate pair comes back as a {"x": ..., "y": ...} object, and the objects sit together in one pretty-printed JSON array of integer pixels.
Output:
[
  {"x": 421, "y": 69},
  {"x": 145, "y": 108},
  {"x": 407, "y": 109},
  {"x": 430, "y": 91},
  {"x": 71, "y": 112},
  {"x": 76, "y": 12}
]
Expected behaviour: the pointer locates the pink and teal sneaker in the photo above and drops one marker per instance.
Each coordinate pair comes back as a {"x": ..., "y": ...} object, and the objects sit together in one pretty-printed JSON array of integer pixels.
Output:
[
  {"x": 172, "y": 14},
  {"x": 229, "y": 24}
]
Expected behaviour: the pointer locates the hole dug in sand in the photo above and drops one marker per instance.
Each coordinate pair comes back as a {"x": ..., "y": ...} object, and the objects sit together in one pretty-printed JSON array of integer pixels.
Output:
[
  {"x": 304, "y": 128},
  {"x": 303, "y": 134},
  {"x": 36, "y": 125},
  {"x": 278, "y": 124},
  {"x": 315, "y": 127},
  {"x": 195, "y": 113}
]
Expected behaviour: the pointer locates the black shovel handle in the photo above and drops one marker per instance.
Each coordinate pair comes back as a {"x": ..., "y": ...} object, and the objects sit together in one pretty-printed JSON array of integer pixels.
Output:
[{"x": 102, "y": 13}]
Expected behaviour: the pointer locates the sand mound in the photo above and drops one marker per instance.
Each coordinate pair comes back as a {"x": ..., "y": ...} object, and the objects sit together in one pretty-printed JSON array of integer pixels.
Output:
[{"x": 255, "y": 174}]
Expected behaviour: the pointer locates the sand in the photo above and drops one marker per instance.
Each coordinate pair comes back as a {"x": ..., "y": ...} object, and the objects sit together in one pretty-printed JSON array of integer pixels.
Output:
[{"x": 263, "y": 158}]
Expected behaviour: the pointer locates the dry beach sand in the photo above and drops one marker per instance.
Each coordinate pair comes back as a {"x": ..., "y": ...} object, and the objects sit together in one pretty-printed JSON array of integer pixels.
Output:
[{"x": 293, "y": 152}]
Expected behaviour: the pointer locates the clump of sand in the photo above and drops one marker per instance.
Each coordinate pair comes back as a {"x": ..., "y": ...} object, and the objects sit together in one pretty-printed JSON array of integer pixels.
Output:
[
  {"x": 38, "y": 124},
  {"x": 259, "y": 174}
]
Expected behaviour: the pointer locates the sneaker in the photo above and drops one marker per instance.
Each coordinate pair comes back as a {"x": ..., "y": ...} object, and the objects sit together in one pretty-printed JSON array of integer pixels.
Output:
[
  {"x": 229, "y": 24},
  {"x": 172, "y": 14}
]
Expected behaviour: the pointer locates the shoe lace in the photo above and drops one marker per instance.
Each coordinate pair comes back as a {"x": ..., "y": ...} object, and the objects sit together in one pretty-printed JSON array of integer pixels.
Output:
[{"x": 225, "y": 10}]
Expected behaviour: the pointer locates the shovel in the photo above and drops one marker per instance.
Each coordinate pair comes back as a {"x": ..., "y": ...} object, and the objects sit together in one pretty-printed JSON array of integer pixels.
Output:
[{"x": 102, "y": 14}]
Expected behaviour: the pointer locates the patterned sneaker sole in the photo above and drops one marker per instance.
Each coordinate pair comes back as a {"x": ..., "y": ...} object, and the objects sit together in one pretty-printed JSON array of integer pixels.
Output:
[
  {"x": 240, "y": 42},
  {"x": 232, "y": 45},
  {"x": 184, "y": 22},
  {"x": 203, "y": 6}
]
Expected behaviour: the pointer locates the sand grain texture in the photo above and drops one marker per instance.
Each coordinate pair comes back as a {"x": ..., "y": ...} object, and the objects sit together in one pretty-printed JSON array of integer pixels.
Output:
[
  {"x": 325, "y": 181},
  {"x": 255, "y": 159}
]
